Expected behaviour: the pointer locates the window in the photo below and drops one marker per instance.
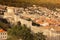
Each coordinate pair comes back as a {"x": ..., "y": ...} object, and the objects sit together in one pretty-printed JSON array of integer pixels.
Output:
[
  {"x": 5, "y": 33},
  {"x": 1, "y": 33},
  {"x": 5, "y": 37},
  {"x": 1, "y": 36}
]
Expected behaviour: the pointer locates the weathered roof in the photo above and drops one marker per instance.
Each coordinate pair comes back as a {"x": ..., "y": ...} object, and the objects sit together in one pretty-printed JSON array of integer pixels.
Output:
[{"x": 1, "y": 30}]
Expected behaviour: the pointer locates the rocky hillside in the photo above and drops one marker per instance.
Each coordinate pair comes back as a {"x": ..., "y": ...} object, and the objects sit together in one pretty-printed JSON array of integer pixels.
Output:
[
  {"x": 34, "y": 17},
  {"x": 39, "y": 19},
  {"x": 37, "y": 14}
]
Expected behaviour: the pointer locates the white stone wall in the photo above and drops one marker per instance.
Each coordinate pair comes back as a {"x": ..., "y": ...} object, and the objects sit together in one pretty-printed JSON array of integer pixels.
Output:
[
  {"x": 28, "y": 23},
  {"x": 3, "y": 35}
]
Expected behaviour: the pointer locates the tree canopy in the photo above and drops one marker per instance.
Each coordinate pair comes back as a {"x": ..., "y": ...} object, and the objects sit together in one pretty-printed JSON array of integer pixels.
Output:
[{"x": 24, "y": 33}]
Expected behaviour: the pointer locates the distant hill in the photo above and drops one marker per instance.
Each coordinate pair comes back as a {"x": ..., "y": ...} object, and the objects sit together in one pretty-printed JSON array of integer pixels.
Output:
[{"x": 18, "y": 3}]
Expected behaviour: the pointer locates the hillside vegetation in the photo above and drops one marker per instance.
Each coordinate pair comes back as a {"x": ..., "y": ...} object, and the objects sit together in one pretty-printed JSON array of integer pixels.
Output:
[{"x": 24, "y": 3}]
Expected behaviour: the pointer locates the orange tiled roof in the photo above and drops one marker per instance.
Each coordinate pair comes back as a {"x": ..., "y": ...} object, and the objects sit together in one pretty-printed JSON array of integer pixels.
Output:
[
  {"x": 1, "y": 30},
  {"x": 43, "y": 19}
]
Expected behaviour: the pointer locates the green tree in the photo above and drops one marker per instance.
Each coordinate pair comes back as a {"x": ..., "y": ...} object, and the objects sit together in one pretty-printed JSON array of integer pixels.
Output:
[
  {"x": 39, "y": 36},
  {"x": 24, "y": 33},
  {"x": 4, "y": 26},
  {"x": 20, "y": 32}
]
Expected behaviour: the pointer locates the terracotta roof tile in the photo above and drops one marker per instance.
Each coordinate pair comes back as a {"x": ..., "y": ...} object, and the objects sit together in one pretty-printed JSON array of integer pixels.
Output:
[{"x": 1, "y": 30}]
